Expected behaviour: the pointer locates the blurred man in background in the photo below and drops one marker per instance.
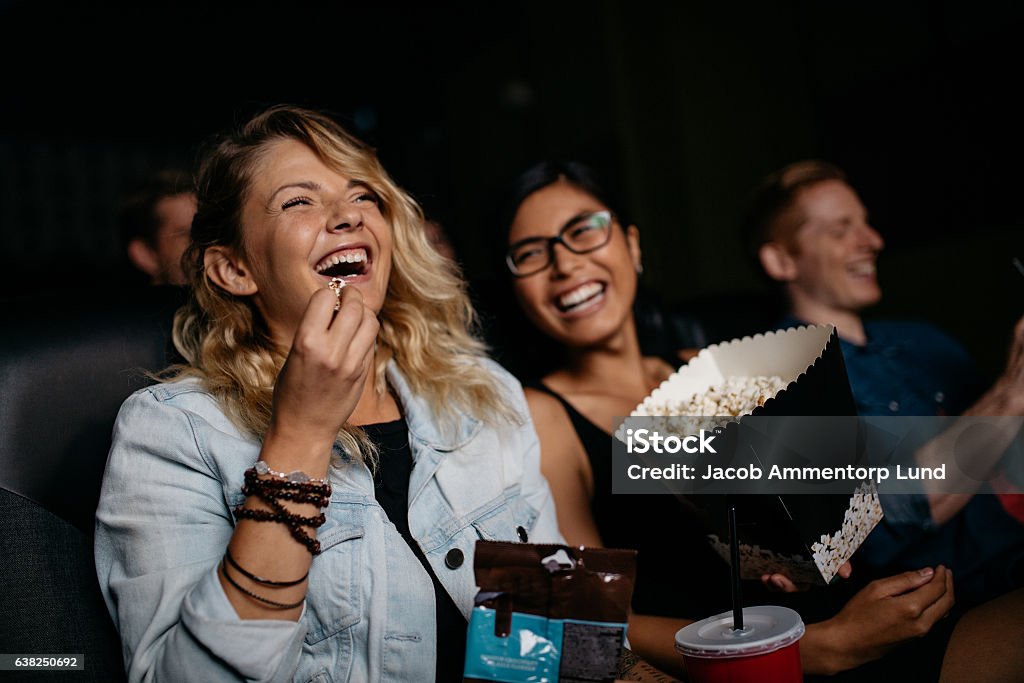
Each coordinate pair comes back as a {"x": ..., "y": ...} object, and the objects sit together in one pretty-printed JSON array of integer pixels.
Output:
[
  {"x": 811, "y": 234},
  {"x": 155, "y": 222}
]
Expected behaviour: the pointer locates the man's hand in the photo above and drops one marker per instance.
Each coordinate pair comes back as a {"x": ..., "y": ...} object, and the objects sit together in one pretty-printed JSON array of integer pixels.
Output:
[{"x": 886, "y": 613}]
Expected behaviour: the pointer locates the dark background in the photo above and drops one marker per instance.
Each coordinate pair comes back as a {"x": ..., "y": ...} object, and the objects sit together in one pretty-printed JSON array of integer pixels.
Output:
[{"x": 686, "y": 104}]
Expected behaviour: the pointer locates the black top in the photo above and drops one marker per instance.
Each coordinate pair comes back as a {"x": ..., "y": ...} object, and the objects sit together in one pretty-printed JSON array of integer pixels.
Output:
[
  {"x": 391, "y": 487},
  {"x": 660, "y": 528},
  {"x": 663, "y": 529}
]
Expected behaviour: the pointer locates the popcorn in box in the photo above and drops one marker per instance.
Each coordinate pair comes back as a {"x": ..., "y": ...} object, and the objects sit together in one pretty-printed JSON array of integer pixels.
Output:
[{"x": 799, "y": 371}]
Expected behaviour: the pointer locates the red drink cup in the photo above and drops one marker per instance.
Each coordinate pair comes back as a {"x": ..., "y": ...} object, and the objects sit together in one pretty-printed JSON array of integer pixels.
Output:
[{"x": 767, "y": 650}]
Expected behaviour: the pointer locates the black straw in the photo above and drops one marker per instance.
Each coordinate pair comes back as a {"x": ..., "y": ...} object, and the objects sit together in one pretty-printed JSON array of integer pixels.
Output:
[{"x": 734, "y": 553}]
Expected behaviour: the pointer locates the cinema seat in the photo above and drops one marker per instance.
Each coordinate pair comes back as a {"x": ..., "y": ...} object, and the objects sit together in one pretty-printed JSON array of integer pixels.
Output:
[{"x": 67, "y": 361}]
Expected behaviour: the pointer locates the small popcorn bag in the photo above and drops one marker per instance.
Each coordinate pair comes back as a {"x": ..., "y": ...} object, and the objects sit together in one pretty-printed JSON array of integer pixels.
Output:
[{"x": 794, "y": 372}]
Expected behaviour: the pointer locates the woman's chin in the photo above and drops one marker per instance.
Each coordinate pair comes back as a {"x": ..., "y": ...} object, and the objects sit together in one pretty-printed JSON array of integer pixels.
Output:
[{"x": 588, "y": 331}]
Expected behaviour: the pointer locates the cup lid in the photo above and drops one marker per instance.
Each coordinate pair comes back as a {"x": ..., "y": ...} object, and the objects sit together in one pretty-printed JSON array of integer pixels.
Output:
[{"x": 767, "y": 628}]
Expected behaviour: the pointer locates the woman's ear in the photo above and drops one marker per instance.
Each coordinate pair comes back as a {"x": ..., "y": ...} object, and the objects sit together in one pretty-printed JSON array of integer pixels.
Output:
[
  {"x": 633, "y": 242},
  {"x": 226, "y": 270},
  {"x": 777, "y": 262}
]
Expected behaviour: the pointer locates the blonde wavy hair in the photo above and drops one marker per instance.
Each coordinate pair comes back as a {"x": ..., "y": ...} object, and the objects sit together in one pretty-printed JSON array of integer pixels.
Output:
[{"x": 426, "y": 323}]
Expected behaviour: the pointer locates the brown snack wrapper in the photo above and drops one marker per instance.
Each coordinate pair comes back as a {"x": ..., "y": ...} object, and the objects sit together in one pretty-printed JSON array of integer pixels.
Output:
[{"x": 548, "y": 612}]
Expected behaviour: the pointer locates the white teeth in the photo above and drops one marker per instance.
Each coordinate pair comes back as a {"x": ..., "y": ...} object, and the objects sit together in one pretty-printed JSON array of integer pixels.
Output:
[
  {"x": 354, "y": 256},
  {"x": 580, "y": 294},
  {"x": 862, "y": 269}
]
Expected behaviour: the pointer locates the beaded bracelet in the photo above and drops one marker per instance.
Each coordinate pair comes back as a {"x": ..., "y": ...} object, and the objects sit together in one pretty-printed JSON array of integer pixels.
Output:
[
  {"x": 258, "y": 579},
  {"x": 257, "y": 596},
  {"x": 294, "y": 486},
  {"x": 311, "y": 488},
  {"x": 294, "y": 526},
  {"x": 293, "y": 521},
  {"x": 253, "y": 488},
  {"x": 280, "y": 514},
  {"x": 252, "y": 474},
  {"x": 296, "y": 476}
]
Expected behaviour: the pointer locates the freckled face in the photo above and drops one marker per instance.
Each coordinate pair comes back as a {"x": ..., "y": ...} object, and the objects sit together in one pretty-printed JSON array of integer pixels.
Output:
[
  {"x": 580, "y": 300},
  {"x": 836, "y": 248},
  {"x": 304, "y": 223}
]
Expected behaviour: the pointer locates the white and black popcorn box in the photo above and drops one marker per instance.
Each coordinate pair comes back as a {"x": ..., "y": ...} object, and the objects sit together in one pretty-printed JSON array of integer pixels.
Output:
[
  {"x": 807, "y": 359},
  {"x": 805, "y": 537},
  {"x": 794, "y": 372}
]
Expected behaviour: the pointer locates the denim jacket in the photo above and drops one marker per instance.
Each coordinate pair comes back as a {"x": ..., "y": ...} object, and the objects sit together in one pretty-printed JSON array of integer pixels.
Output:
[{"x": 175, "y": 471}]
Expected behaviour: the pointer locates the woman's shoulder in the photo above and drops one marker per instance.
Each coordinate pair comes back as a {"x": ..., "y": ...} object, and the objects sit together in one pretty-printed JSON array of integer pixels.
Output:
[
  {"x": 550, "y": 418},
  {"x": 542, "y": 400},
  {"x": 176, "y": 424},
  {"x": 549, "y": 410},
  {"x": 185, "y": 399},
  {"x": 183, "y": 393}
]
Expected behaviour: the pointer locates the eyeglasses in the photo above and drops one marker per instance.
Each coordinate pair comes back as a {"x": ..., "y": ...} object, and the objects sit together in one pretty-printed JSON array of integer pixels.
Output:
[{"x": 581, "y": 235}]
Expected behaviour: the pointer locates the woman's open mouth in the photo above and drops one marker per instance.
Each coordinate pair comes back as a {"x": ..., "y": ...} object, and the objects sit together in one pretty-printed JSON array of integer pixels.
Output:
[
  {"x": 580, "y": 298},
  {"x": 348, "y": 264}
]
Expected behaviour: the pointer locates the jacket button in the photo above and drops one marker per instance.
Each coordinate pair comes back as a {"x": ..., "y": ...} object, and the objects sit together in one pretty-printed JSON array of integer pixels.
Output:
[{"x": 454, "y": 558}]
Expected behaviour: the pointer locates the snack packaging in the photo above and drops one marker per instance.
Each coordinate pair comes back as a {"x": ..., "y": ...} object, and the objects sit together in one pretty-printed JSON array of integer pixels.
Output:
[{"x": 547, "y": 613}]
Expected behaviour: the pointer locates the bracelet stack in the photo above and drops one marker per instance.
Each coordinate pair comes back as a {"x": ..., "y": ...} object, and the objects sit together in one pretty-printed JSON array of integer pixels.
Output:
[{"x": 272, "y": 487}]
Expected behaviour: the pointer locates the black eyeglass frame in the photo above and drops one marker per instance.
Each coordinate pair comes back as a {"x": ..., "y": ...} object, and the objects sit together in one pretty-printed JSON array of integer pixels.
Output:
[{"x": 550, "y": 242}]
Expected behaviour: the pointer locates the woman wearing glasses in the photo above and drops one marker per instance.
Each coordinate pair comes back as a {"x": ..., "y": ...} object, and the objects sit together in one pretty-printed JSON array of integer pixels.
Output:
[{"x": 574, "y": 261}]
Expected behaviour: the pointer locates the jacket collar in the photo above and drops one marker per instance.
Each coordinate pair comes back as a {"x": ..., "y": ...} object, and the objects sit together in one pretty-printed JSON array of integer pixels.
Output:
[{"x": 423, "y": 425}]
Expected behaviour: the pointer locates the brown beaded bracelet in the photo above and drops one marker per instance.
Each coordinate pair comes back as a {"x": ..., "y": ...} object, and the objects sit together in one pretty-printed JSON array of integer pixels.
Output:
[
  {"x": 295, "y": 487},
  {"x": 294, "y": 525},
  {"x": 279, "y": 515},
  {"x": 254, "y": 488},
  {"x": 257, "y": 596},
  {"x": 321, "y": 488}
]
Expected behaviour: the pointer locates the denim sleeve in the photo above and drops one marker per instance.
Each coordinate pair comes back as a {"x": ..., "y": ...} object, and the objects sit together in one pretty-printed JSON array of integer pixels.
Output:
[{"x": 161, "y": 528}]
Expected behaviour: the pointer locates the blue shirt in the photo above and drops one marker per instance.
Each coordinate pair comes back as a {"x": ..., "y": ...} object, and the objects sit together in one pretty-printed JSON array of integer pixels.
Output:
[
  {"x": 913, "y": 368},
  {"x": 175, "y": 472},
  {"x": 908, "y": 368}
]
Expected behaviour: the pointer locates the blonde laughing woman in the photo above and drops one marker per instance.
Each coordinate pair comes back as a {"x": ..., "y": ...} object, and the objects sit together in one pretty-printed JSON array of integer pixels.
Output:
[{"x": 301, "y": 500}]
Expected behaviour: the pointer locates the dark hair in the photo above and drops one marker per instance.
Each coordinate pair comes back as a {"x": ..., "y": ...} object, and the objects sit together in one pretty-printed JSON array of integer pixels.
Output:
[
  {"x": 516, "y": 343},
  {"x": 136, "y": 214},
  {"x": 546, "y": 173},
  {"x": 769, "y": 216}
]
